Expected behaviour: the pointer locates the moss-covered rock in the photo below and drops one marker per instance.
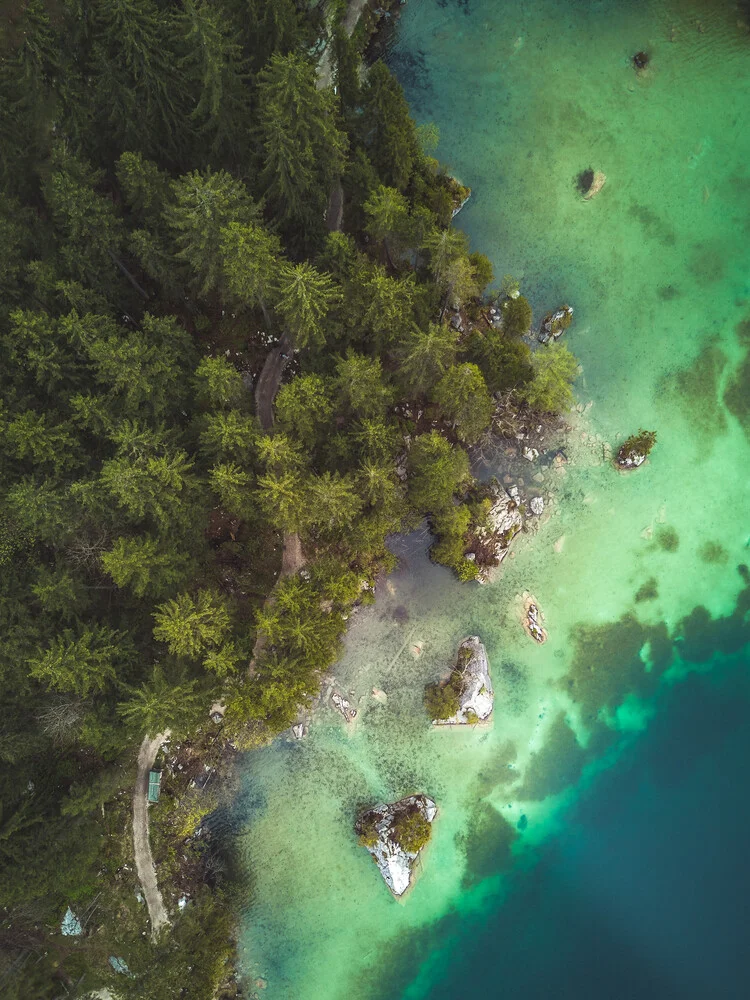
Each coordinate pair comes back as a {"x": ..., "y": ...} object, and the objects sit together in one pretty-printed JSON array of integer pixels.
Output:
[{"x": 394, "y": 834}]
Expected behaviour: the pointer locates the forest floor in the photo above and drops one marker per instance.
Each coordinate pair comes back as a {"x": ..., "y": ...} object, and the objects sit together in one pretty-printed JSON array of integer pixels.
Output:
[{"x": 144, "y": 861}]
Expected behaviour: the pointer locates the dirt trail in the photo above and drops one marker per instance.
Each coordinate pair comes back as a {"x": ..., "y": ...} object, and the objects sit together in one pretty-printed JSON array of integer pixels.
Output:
[
  {"x": 325, "y": 66},
  {"x": 144, "y": 862},
  {"x": 270, "y": 380}
]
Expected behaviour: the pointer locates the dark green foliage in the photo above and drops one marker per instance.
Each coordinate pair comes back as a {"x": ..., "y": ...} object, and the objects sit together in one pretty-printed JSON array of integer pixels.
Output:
[
  {"x": 437, "y": 470},
  {"x": 411, "y": 829},
  {"x": 367, "y": 830},
  {"x": 463, "y": 399},
  {"x": 638, "y": 444},
  {"x": 505, "y": 362},
  {"x": 165, "y": 170},
  {"x": 516, "y": 313},
  {"x": 451, "y": 527},
  {"x": 443, "y": 698},
  {"x": 554, "y": 368},
  {"x": 442, "y": 701},
  {"x": 387, "y": 128},
  {"x": 303, "y": 149}
]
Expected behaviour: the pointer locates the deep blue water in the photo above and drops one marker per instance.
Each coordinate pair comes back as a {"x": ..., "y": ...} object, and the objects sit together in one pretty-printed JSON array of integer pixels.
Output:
[{"x": 646, "y": 893}]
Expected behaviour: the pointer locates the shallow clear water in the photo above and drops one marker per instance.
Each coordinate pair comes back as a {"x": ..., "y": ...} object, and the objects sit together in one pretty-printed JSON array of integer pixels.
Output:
[{"x": 533, "y": 846}]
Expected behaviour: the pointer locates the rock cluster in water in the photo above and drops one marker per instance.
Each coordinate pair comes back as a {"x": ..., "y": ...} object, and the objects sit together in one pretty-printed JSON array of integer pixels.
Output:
[
  {"x": 532, "y": 621},
  {"x": 477, "y": 697},
  {"x": 377, "y": 830},
  {"x": 555, "y": 324}
]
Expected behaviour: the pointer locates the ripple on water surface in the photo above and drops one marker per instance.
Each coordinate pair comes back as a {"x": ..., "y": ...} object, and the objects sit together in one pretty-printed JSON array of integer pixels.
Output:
[{"x": 630, "y": 570}]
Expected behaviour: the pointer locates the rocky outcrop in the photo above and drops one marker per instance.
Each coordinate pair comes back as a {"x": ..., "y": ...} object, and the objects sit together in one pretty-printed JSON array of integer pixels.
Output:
[
  {"x": 555, "y": 324},
  {"x": 503, "y": 523},
  {"x": 629, "y": 459},
  {"x": 532, "y": 620},
  {"x": 476, "y": 697},
  {"x": 381, "y": 830},
  {"x": 635, "y": 450},
  {"x": 597, "y": 183},
  {"x": 458, "y": 207},
  {"x": 343, "y": 706}
]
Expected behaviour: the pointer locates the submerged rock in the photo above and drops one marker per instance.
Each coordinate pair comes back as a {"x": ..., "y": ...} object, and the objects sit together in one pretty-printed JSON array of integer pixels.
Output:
[
  {"x": 597, "y": 183},
  {"x": 555, "y": 324},
  {"x": 532, "y": 620},
  {"x": 395, "y": 834},
  {"x": 343, "y": 706},
  {"x": 641, "y": 60},
  {"x": 537, "y": 505},
  {"x": 470, "y": 681}
]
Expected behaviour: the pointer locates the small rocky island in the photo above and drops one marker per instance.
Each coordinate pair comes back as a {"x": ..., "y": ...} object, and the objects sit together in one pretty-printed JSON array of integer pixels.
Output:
[
  {"x": 635, "y": 450},
  {"x": 466, "y": 697},
  {"x": 394, "y": 835}
]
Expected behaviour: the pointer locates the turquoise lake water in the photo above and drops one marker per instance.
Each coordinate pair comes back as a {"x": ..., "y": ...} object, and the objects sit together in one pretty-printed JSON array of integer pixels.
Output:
[{"x": 592, "y": 841}]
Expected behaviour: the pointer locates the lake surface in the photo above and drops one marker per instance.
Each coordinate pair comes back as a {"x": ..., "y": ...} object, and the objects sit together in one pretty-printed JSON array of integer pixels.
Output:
[{"x": 592, "y": 842}]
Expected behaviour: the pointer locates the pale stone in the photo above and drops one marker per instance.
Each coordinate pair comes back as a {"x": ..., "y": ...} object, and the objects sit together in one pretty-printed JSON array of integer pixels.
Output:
[{"x": 477, "y": 697}]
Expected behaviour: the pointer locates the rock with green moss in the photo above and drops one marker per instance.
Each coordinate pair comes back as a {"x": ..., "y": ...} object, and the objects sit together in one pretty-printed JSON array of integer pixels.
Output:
[
  {"x": 466, "y": 698},
  {"x": 636, "y": 449},
  {"x": 555, "y": 324},
  {"x": 395, "y": 834}
]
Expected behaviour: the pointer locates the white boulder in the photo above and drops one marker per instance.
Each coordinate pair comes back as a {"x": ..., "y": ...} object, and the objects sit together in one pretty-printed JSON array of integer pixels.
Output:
[{"x": 477, "y": 697}]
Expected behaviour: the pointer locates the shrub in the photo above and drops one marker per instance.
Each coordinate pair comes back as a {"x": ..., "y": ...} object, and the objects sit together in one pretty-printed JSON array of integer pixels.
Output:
[
  {"x": 367, "y": 830},
  {"x": 441, "y": 700},
  {"x": 638, "y": 444},
  {"x": 411, "y": 830}
]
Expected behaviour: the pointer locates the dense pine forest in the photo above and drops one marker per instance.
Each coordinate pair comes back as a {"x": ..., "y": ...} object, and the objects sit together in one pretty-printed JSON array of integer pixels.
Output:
[{"x": 182, "y": 197}]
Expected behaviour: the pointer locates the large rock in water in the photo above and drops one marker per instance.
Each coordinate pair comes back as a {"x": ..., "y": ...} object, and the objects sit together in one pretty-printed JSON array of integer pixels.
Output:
[
  {"x": 477, "y": 697},
  {"x": 503, "y": 523},
  {"x": 555, "y": 324},
  {"x": 380, "y": 823}
]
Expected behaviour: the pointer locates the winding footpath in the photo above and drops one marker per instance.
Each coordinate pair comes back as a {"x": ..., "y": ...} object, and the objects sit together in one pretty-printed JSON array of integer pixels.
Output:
[
  {"x": 269, "y": 381},
  {"x": 144, "y": 861},
  {"x": 351, "y": 18}
]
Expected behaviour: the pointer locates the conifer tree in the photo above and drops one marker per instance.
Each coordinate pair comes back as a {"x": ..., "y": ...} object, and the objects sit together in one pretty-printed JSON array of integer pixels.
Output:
[
  {"x": 192, "y": 625},
  {"x": 81, "y": 664},
  {"x": 387, "y": 128},
  {"x": 425, "y": 356},
  {"x": 202, "y": 205},
  {"x": 144, "y": 566},
  {"x": 139, "y": 87},
  {"x": 251, "y": 257},
  {"x": 305, "y": 297},
  {"x": 463, "y": 399},
  {"x": 304, "y": 149},
  {"x": 217, "y": 72}
]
